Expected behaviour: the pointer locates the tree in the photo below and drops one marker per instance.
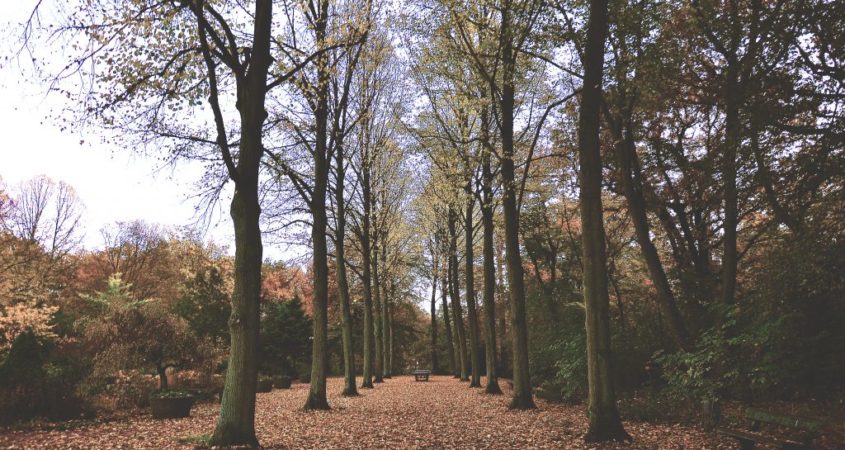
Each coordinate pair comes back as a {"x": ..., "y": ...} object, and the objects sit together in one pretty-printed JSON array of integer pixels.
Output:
[
  {"x": 26, "y": 317},
  {"x": 605, "y": 423},
  {"x": 285, "y": 336},
  {"x": 435, "y": 361},
  {"x": 454, "y": 294},
  {"x": 128, "y": 333},
  {"x": 47, "y": 213},
  {"x": 489, "y": 269},
  {"x": 198, "y": 54},
  {"x": 205, "y": 304}
]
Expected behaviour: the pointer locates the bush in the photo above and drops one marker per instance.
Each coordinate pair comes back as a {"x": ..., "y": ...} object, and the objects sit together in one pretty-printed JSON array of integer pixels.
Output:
[
  {"x": 142, "y": 335},
  {"x": 281, "y": 382},
  {"x": 126, "y": 389},
  {"x": 569, "y": 382},
  {"x": 40, "y": 380},
  {"x": 783, "y": 340},
  {"x": 171, "y": 393}
]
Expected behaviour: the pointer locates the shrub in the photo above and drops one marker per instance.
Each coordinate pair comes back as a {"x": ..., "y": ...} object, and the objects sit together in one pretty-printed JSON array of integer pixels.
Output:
[
  {"x": 40, "y": 380},
  {"x": 171, "y": 393},
  {"x": 138, "y": 334}
]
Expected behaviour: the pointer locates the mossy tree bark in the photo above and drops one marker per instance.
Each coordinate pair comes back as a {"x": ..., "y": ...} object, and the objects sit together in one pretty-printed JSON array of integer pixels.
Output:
[
  {"x": 522, "y": 396},
  {"x": 604, "y": 421},
  {"x": 236, "y": 422}
]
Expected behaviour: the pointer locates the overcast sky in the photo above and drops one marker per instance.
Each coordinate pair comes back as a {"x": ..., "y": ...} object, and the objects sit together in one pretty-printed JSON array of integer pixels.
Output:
[{"x": 113, "y": 183}]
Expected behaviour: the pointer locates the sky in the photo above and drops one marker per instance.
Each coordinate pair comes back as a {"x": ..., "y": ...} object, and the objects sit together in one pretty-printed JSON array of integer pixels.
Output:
[{"x": 113, "y": 183}]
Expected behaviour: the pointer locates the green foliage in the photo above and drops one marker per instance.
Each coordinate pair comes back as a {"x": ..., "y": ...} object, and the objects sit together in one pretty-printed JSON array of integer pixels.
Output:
[
  {"x": 171, "y": 393},
  {"x": 557, "y": 351},
  {"x": 569, "y": 382},
  {"x": 285, "y": 337},
  {"x": 40, "y": 380},
  {"x": 205, "y": 305},
  {"x": 707, "y": 371}
]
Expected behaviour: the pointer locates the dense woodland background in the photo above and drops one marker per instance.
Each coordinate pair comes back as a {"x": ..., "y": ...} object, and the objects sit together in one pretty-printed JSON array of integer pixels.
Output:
[{"x": 462, "y": 185}]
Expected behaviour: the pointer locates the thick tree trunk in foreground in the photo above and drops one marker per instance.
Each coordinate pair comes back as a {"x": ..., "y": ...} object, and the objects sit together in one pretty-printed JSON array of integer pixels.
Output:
[
  {"x": 489, "y": 294},
  {"x": 236, "y": 423},
  {"x": 472, "y": 313},
  {"x": 457, "y": 310},
  {"x": 319, "y": 224},
  {"x": 729, "y": 174},
  {"x": 444, "y": 287},
  {"x": 522, "y": 396},
  {"x": 603, "y": 416}
]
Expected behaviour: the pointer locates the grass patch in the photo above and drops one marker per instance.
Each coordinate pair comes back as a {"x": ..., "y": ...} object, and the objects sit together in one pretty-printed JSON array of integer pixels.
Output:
[{"x": 199, "y": 440}]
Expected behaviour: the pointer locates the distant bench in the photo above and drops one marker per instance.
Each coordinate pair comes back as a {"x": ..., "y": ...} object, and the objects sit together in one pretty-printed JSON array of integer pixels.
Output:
[
  {"x": 421, "y": 374},
  {"x": 802, "y": 431}
]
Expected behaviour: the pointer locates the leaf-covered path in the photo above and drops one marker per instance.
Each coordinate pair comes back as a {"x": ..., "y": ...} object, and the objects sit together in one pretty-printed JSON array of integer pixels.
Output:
[{"x": 400, "y": 413}]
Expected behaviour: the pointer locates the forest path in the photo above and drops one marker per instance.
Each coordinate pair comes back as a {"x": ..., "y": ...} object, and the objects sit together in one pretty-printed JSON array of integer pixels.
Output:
[{"x": 442, "y": 413}]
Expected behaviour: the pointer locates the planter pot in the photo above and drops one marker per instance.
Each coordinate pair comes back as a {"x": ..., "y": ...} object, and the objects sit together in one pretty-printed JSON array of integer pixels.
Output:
[
  {"x": 281, "y": 382},
  {"x": 171, "y": 408},
  {"x": 264, "y": 385}
]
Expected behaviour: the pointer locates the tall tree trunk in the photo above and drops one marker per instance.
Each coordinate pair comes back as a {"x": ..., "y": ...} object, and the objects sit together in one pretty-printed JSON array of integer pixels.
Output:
[
  {"x": 385, "y": 314},
  {"x": 435, "y": 363},
  {"x": 503, "y": 305},
  {"x": 350, "y": 387},
  {"x": 605, "y": 423},
  {"x": 236, "y": 422},
  {"x": 472, "y": 313},
  {"x": 378, "y": 371},
  {"x": 489, "y": 277},
  {"x": 729, "y": 174},
  {"x": 453, "y": 364},
  {"x": 631, "y": 179},
  {"x": 390, "y": 337},
  {"x": 457, "y": 310},
  {"x": 522, "y": 396},
  {"x": 366, "y": 256},
  {"x": 319, "y": 354}
]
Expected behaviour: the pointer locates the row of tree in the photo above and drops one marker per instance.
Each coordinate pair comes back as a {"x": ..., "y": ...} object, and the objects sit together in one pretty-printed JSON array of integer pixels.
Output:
[
  {"x": 707, "y": 128},
  {"x": 698, "y": 120}
]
